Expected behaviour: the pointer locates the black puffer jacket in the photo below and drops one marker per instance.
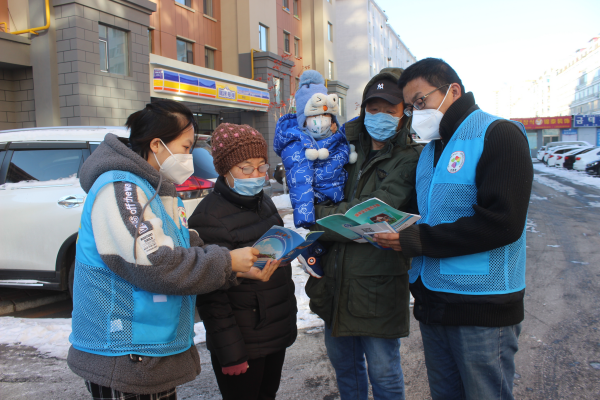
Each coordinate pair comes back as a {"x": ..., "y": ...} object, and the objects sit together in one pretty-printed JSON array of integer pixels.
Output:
[{"x": 255, "y": 318}]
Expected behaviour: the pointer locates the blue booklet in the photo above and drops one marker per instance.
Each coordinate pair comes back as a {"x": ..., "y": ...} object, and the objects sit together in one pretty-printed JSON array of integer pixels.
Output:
[{"x": 283, "y": 244}]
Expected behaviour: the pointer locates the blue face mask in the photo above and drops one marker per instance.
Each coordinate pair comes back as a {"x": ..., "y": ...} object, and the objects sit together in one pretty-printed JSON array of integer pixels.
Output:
[
  {"x": 248, "y": 186},
  {"x": 381, "y": 126}
]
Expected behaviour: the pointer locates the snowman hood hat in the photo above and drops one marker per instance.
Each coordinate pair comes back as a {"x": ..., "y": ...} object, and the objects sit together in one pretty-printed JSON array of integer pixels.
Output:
[{"x": 311, "y": 83}]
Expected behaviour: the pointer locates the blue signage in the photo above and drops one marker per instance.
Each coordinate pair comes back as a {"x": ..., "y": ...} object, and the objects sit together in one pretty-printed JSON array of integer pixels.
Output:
[
  {"x": 567, "y": 132},
  {"x": 597, "y": 136},
  {"x": 583, "y": 121}
]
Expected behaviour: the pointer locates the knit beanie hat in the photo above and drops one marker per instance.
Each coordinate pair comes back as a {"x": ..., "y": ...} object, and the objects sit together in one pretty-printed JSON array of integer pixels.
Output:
[
  {"x": 311, "y": 82},
  {"x": 232, "y": 144}
]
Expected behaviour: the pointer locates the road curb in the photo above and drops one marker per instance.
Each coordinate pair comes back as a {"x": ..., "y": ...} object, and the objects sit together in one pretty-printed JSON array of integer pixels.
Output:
[{"x": 11, "y": 306}]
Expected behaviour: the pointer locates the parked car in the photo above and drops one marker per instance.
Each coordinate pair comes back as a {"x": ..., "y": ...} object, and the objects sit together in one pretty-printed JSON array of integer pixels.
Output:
[
  {"x": 41, "y": 201},
  {"x": 550, "y": 155},
  {"x": 569, "y": 158},
  {"x": 593, "y": 168},
  {"x": 540, "y": 153},
  {"x": 582, "y": 160},
  {"x": 548, "y": 146},
  {"x": 557, "y": 156}
]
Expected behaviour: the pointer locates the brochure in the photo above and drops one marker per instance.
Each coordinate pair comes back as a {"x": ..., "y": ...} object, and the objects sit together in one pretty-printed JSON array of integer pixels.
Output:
[
  {"x": 366, "y": 219},
  {"x": 283, "y": 244}
]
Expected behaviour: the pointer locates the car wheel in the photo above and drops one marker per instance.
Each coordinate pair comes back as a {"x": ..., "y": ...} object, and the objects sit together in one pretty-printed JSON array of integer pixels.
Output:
[{"x": 71, "y": 278}]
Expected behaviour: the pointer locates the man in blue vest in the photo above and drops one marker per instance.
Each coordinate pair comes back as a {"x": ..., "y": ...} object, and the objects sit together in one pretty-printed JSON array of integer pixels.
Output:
[{"x": 468, "y": 270}]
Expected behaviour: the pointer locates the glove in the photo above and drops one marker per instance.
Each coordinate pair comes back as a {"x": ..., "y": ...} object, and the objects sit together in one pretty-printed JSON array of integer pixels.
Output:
[{"x": 236, "y": 369}]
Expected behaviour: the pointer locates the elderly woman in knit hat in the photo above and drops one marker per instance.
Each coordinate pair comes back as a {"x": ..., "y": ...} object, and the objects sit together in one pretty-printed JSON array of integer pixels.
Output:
[{"x": 248, "y": 327}]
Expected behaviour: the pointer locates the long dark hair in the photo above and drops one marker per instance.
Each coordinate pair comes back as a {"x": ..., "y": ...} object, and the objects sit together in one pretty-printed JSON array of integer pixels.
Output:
[{"x": 163, "y": 119}]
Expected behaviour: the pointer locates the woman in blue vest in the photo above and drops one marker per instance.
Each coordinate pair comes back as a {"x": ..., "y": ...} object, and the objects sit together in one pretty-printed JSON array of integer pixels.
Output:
[{"x": 138, "y": 267}]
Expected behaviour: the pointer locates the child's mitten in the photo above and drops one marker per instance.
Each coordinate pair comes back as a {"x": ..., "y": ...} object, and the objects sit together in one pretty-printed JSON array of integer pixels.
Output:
[
  {"x": 353, "y": 154},
  {"x": 323, "y": 154},
  {"x": 311, "y": 154}
]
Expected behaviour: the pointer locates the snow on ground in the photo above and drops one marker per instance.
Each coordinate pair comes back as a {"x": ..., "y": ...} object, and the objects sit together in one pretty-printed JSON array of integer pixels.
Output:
[
  {"x": 577, "y": 177},
  {"x": 282, "y": 201},
  {"x": 49, "y": 336}
]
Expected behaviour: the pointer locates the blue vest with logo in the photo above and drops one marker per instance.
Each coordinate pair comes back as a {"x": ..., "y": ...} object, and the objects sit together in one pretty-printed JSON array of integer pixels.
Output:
[
  {"x": 448, "y": 192},
  {"x": 112, "y": 317}
]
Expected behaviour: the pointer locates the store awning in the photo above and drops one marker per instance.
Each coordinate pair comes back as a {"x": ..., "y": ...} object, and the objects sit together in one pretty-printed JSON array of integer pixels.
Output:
[{"x": 172, "y": 79}]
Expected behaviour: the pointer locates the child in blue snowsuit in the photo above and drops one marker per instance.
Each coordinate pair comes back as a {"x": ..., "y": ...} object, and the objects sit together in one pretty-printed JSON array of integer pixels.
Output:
[{"x": 314, "y": 151}]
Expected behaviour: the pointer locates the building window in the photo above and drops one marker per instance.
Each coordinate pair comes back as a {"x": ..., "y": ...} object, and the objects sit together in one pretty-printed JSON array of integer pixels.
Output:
[
  {"x": 209, "y": 58},
  {"x": 263, "y": 32},
  {"x": 187, "y": 3},
  {"x": 295, "y": 8},
  {"x": 297, "y": 47},
  {"x": 150, "y": 44},
  {"x": 208, "y": 8},
  {"x": 330, "y": 32},
  {"x": 286, "y": 42},
  {"x": 330, "y": 72},
  {"x": 297, "y": 82},
  {"x": 185, "y": 51},
  {"x": 342, "y": 105},
  {"x": 277, "y": 88},
  {"x": 113, "y": 50},
  {"x": 286, "y": 4}
]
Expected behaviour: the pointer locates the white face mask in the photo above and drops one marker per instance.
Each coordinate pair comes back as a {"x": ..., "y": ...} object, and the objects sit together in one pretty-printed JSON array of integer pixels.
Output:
[
  {"x": 427, "y": 122},
  {"x": 319, "y": 126},
  {"x": 177, "y": 168}
]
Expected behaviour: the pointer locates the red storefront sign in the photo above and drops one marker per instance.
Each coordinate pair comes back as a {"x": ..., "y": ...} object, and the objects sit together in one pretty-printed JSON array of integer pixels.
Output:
[{"x": 545, "y": 122}]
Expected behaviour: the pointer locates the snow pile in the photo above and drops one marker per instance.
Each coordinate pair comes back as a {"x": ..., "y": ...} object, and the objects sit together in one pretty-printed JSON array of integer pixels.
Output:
[
  {"x": 282, "y": 201},
  {"x": 577, "y": 177},
  {"x": 49, "y": 336}
]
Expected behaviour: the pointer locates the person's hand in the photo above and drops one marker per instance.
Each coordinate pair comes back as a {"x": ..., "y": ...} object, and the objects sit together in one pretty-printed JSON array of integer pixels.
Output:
[
  {"x": 236, "y": 369},
  {"x": 389, "y": 240},
  {"x": 243, "y": 259},
  {"x": 261, "y": 274},
  {"x": 333, "y": 127}
]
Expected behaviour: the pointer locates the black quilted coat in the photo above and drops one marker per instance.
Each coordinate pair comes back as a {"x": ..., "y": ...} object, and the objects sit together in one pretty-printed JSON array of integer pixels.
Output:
[{"x": 255, "y": 318}]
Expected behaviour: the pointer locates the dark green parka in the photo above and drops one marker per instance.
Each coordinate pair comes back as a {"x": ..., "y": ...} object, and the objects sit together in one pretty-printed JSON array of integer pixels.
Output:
[{"x": 364, "y": 291}]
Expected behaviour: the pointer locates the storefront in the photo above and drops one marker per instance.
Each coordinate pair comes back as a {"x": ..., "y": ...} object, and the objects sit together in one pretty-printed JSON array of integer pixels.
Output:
[
  {"x": 541, "y": 131},
  {"x": 588, "y": 128},
  {"x": 213, "y": 96}
]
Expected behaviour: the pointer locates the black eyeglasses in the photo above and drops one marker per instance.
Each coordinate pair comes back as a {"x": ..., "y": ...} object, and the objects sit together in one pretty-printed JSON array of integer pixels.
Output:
[
  {"x": 419, "y": 104},
  {"x": 249, "y": 170}
]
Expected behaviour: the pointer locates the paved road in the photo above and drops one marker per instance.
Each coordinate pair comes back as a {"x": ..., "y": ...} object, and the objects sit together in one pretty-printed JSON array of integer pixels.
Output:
[{"x": 559, "y": 356}]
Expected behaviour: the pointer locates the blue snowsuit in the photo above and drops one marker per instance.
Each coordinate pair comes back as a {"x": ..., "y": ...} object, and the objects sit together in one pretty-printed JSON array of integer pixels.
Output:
[{"x": 311, "y": 181}]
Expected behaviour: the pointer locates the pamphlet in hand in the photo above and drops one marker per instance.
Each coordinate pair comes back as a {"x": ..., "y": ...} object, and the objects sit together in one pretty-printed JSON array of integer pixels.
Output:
[
  {"x": 366, "y": 219},
  {"x": 283, "y": 244}
]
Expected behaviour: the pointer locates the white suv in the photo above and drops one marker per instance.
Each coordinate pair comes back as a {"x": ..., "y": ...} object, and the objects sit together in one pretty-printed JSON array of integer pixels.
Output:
[{"x": 41, "y": 202}]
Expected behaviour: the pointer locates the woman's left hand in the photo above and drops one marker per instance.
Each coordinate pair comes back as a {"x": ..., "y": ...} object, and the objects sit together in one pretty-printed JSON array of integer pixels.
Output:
[{"x": 261, "y": 274}]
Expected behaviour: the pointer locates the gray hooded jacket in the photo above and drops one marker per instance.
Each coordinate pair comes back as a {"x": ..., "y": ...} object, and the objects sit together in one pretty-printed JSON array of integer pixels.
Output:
[{"x": 165, "y": 269}]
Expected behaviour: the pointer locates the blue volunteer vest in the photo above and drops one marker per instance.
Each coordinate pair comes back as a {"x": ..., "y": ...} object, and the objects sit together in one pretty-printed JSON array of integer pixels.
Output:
[
  {"x": 445, "y": 194},
  {"x": 112, "y": 317}
]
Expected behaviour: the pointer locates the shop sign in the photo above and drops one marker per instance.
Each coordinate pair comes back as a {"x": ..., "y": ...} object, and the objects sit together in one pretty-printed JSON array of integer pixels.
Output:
[
  {"x": 545, "y": 122},
  {"x": 567, "y": 132},
  {"x": 584, "y": 121},
  {"x": 198, "y": 87},
  {"x": 597, "y": 136}
]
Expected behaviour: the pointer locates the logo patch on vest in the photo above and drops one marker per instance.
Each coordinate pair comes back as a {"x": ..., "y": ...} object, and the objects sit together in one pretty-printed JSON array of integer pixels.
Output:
[
  {"x": 183, "y": 216},
  {"x": 381, "y": 174},
  {"x": 457, "y": 160}
]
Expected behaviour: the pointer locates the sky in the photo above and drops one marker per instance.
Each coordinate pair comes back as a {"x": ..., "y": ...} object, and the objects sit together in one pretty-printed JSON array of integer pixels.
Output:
[{"x": 492, "y": 42}]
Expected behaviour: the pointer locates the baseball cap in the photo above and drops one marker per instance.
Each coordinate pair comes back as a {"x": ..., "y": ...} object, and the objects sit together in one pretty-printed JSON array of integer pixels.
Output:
[{"x": 385, "y": 89}]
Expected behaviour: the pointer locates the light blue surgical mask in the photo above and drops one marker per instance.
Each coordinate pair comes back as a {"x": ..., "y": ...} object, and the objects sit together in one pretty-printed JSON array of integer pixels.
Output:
[
  {"x": 381, "y": 126},
  {"x": 248, "y": 186}
]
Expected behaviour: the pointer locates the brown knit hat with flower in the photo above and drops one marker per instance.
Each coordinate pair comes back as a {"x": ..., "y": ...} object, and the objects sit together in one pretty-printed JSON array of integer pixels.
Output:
[{"x": 232, "y": 144}]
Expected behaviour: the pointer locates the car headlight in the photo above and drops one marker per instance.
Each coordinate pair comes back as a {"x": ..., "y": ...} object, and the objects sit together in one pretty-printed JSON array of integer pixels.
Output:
[{"x": 593, "y": 164}]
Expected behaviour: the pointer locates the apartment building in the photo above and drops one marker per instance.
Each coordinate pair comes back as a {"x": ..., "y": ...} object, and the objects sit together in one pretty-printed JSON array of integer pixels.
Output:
[{"x": 369, "y": 44}]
